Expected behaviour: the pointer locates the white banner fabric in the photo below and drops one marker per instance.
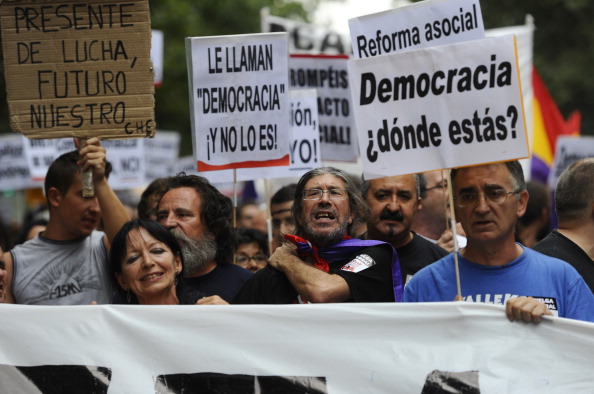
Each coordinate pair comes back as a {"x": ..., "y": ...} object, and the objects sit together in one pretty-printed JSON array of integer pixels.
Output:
[{"x": 344, "y": 348}]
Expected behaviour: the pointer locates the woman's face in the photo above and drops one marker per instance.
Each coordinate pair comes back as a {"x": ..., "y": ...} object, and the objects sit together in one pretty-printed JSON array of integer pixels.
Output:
[{"x": 149, "y": 268}]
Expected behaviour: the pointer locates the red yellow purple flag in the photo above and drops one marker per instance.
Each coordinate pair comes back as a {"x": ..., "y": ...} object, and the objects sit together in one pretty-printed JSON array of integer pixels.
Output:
[{"x": 548, "y": 125}]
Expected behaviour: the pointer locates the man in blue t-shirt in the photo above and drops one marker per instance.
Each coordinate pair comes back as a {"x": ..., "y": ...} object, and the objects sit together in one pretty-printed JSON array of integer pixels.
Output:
[{"x": 493, "y": 267}]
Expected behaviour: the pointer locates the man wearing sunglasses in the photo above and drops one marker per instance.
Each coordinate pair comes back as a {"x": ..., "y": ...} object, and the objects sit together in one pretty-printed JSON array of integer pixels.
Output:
[
  {"x": 494, "y": 268},
  {"x": 320, "y": 263}
]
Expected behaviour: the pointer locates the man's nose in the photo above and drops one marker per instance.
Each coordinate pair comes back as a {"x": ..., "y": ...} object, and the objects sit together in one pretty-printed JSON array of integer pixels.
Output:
[{"x": 169, "y": 222}]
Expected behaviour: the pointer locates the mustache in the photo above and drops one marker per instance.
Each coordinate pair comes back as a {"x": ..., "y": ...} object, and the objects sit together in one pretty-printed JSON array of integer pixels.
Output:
[{"x": 389, "y": 215}]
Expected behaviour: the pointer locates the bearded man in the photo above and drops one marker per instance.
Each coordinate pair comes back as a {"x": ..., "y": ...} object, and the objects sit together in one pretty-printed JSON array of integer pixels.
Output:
[
  {"x": 320, "y": 263},
  {"x": 200, "y": 218}
]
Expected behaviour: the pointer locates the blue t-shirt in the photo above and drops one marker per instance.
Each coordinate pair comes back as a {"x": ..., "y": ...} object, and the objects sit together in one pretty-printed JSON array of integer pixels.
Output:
[{"x": 547, "y": 279}]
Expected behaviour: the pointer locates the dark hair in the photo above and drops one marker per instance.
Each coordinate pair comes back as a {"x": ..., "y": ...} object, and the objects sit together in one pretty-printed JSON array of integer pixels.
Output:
[
  {"x": 249, "y": 235},
  {"x": 515, "y": 170},
  {"x": 284, "y": 194},
  {"x": 357, "y": 204},
  {"x": 216, "y": 211},
  {"x": 420, "y": 185},
  {"x": 152, "y": 191},
  {"x": 117, "y": 251},
  {"x": 61, "y": 172},
  {"x": 575, "y": 190}
]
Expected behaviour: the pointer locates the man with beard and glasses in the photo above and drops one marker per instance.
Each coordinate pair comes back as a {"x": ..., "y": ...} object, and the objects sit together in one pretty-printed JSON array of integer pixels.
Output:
[
  {"x": 320, "y": 263},
  {"x": 66, "y": 264},
  {"x": 394, "y": 201},
  {"x": 200, "y": 218}
]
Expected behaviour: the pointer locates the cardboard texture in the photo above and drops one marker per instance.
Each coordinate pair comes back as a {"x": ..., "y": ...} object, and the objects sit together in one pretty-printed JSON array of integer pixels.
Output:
[{"x": 78, "y": 69}]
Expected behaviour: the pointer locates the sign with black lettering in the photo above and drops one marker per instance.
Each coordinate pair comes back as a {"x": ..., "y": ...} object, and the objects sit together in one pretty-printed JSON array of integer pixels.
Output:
[
  {"x": 40, "y": 153},
  {"x": 127, "y": 158},
  {"x": 306, "y": 38},
  {"x": 78, "y": 69},
  {"x": 442, "y": 107},
  {"x": 568, "y": 150},
  {"x": 419, "y": 25},
  {"x": 329, "y": 76},
  {"x": 239, "y": 94},
  {"x": 14, "y": 170}
]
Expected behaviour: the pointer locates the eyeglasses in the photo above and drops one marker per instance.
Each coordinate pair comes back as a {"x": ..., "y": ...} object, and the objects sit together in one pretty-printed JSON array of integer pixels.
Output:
[
  {"x": 333, "y": 194},
  {"x": 440, "y": 185},
  {"x": 495, "y": 196},
  {"x": 243, "y": 259}
]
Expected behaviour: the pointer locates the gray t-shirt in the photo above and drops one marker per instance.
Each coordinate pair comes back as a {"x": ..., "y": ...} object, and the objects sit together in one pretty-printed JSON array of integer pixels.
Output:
[{"x": 47, "y": 272}]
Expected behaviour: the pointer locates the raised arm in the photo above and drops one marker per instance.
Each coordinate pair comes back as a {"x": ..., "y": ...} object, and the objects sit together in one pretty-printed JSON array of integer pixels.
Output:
[
  {"x": 6, "y": 278},
  {"x": 315, "y": 285},
  {"x": 113, "y": 212}
]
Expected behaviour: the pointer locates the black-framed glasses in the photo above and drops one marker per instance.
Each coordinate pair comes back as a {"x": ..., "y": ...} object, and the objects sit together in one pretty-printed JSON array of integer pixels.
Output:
[
  {"x": 440, "y": 185},
  {"x": 495, "y": 196},
  {"x": 243, "y": 259},
  {"x": 333, "y": 194}
]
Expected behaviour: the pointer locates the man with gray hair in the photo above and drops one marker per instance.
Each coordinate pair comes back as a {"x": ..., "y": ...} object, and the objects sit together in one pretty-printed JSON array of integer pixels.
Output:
[
  {"x": 394, "y": 201},
  {"x": 573, "y": 241},
  {"x": 320, "y": 263}
]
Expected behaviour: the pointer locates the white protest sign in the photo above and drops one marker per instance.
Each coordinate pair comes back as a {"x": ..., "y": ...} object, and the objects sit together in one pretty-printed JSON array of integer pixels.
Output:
[
  {"x": 240, "y": 100},
  {"x": 305, "y": 146},
  {"x": 329, "y": 75},
  {"x": 41, "y": 153},
  {"x": 224, "y": 348},
  {"x": 306, "y": 38},
  {"x": 128, "y": 163},
  {"x": 157, "y": 50},
  {"x": 14, "y": 169},
  {"x": 443, "y": 107},
  {"x": 419, "y": 25},
  {"x": 161, "y": 154},
  {"x": 187, "y": 164},
  {"x": 567, "y": 151}
]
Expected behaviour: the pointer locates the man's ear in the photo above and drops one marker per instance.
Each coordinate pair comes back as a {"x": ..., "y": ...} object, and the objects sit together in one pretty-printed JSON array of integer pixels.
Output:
[
  {"x": 54, "y": 197},
  {"x": 522, "y": 202}
]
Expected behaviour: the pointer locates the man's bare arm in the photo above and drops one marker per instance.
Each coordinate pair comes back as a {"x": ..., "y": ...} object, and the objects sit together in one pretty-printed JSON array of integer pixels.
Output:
[
  {"x": 7, "y": 279},
  {"x": 315, "y": 285}
]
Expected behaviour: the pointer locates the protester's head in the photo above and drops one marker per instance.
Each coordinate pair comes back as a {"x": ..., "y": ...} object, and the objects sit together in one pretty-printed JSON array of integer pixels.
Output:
[
  {"x": 145, "y": 260},
  {"x": 534, "y": 225},
  {"x": 77, "y": 216},
  {"x": 325, "y": 205},
  {"x": 200, "y": 218},
  {"x": 280, "y": 212},
  {"x": 252, "y": 249},
  {"x": 574, "y": 194},
  {"x": 489, "y": 199},
  {"x": 250, "y": 215},
  {"x": 431, "y": 220},
  {"x": 394, "y": 202},
  {"x": 147, "y": 206}
]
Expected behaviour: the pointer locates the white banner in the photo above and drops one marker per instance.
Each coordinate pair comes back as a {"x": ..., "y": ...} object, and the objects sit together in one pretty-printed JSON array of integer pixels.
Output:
[
  {"x": 329, "y": 75},
  {"x": 14, "y": 169},
  {"x": 567, "y": 151},
  {"x": 161, "y": 154},
  {"x": 332, "y": 348},
  {"x": 239, "y": 92},
  {"x": 127, "y": 159},
  {"x": 419, "y": 25},
  {"x": 306, "y": 38},
  {"x": 443, "y": 107}
]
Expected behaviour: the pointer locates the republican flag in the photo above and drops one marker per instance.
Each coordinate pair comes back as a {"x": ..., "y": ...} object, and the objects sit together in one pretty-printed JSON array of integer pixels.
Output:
[{"x": 548, "y": 125}]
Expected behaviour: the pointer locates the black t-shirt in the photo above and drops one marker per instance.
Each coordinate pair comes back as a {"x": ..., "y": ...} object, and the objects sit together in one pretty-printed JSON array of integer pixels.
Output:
[
  {"x": 371, "y": 284},
  {"x": 557, "y": 245},
  {"x": 418, "y": 254},
  {"x": 225, "y": 281}
]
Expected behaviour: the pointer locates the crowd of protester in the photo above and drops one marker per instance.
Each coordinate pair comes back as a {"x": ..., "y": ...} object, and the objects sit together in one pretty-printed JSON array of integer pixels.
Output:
[{"x": 334, "y": 237}]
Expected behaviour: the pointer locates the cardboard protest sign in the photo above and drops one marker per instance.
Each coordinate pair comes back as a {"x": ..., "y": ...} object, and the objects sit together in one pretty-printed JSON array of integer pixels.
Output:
[
  {"x": 239, "y": 95},
  {"x": 14, "y": 170},
  {"x": 305, "y": 145},
  {"x": 568, "y": 150},
  {"x": 419, "y": 25},
  {"x": 306, "y": 38},
  {"x": 329, "y": 75},
  {"x": 78, "y": 69},
  {"x": 443, "y": 107}
]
